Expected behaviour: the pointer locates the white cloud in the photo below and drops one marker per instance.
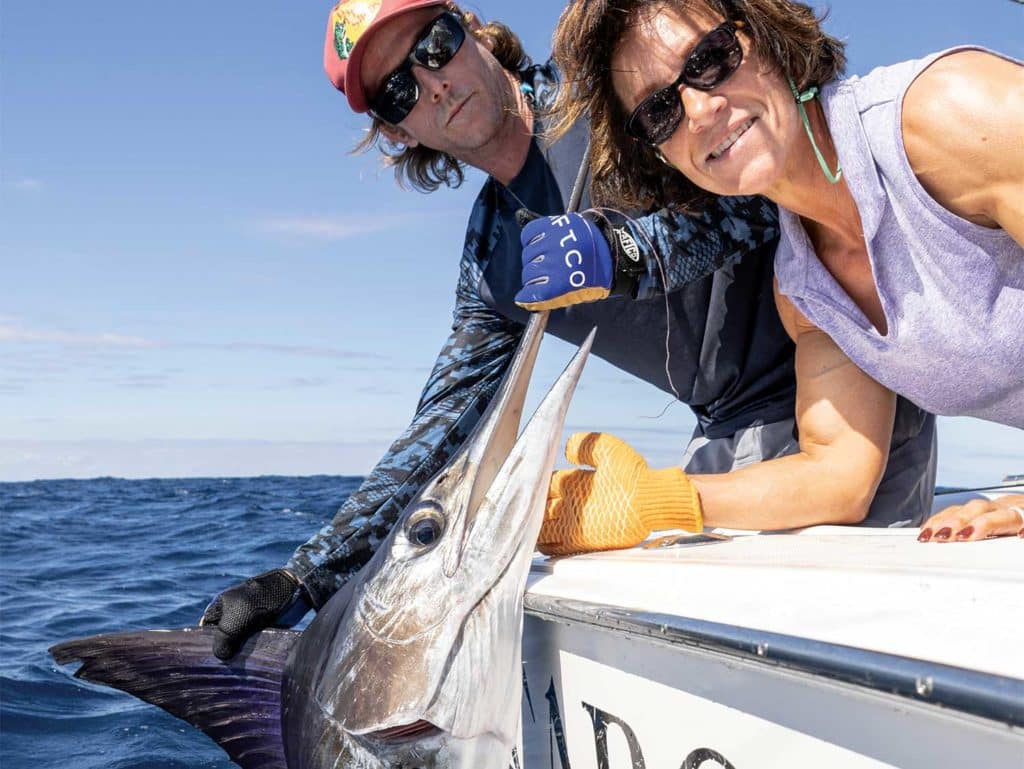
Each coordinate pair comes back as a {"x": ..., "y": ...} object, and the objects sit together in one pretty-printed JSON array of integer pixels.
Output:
[
  {"x": 299, "y": 383},
  {"x": 105, "y": 341},
  {"x": 329, "y": 227},
  {"x": 31, "y": 460},
  {"x": 343, "y": 226},
  {"x": 72, "y": 338},
  {"x": 290, "y": 349},
  {"x": 28, "y": 184}
]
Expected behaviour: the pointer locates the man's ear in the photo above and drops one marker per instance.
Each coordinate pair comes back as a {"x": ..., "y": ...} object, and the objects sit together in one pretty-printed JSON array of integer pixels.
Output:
[{"x": 397, "y": 135}]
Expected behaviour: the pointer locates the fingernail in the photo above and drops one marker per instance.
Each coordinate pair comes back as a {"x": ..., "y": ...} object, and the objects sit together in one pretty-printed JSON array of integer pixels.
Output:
[
  {"x": 944, "y": 533},
  {"x": 1021, "y": 533},
  {"x": 965, "y": 532},
  {"x": 925, "y": 535}
]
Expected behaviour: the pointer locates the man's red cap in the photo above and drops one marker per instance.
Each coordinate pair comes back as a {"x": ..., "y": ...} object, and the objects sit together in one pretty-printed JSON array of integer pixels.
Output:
[{"x": 350, "y": 26}]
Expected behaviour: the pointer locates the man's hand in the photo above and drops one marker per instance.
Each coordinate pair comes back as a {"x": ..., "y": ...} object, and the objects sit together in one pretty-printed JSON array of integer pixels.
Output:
[
  {"x": 566, "y": 260},
  {"x": 261, "y": 602},
  {"x": 616, "y": 505},
  {"x": 978, "y": 519}
]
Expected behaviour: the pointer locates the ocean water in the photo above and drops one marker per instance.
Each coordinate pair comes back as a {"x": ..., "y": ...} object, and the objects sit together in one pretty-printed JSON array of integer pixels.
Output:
[{"x": 79, "y": 558}]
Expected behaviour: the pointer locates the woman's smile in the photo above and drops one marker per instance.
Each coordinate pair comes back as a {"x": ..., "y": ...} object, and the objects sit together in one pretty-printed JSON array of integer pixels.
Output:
[{"x": 729, "y": 141}]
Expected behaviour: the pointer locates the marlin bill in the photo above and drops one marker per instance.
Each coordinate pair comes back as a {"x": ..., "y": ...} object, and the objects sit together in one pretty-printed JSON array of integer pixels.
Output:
[{"x": 416, "y": 662}]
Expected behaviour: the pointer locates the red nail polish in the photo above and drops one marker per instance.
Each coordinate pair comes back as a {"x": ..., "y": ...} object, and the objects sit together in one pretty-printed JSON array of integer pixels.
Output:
[
  {"x": 925, "y": 535},
  {"x": 944, "y": 533},
  {"x": 965, "y": 532}
]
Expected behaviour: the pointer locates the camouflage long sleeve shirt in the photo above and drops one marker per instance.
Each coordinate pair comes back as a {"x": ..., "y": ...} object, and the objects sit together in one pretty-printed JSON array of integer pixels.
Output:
[{"x": 681, "y": 254}]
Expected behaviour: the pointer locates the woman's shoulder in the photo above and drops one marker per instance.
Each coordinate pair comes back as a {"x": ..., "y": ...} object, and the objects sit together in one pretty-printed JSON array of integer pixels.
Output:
[
  {"x": 887, "y": 83},
  {"x": 970, "y": 82},
  {"x": 960, "y": 123},
  {"x": 959, "y": 72}
]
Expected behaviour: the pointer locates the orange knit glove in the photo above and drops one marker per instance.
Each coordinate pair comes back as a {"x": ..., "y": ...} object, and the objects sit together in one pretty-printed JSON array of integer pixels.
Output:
[{"x": 616, "y": 505}]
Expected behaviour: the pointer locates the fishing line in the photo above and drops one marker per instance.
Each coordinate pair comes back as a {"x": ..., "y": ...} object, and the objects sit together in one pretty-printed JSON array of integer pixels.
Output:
[{"x": 600, "y": 212}]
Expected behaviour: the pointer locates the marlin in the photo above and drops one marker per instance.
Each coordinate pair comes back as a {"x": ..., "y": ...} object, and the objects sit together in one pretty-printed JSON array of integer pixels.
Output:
[{"x": 416, "y": 662}]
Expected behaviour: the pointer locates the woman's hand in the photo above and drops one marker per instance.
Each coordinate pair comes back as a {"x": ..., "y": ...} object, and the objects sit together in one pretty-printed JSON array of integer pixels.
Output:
[
  {"x": 978, "y": 519},
  {"x": 616, "y": 505}
]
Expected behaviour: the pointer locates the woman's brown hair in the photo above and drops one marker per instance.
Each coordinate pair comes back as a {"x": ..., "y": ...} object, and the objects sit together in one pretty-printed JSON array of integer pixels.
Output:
[
  {"x": 629, "y": 173},
  {"x": 426, "y": 169}
]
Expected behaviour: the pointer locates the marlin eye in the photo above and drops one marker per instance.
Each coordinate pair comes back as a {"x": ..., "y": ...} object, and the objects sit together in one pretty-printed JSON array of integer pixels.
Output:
[{"x": 425, "y": 531}]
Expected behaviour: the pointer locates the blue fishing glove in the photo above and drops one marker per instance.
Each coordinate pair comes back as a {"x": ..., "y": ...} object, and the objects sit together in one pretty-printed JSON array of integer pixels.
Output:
[{"x": 568, "y": 260}]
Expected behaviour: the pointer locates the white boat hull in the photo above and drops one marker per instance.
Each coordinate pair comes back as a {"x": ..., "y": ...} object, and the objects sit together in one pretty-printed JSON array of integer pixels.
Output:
[
  {"x": 602, "y": 698},
  {"x": 833, "y": 647}
]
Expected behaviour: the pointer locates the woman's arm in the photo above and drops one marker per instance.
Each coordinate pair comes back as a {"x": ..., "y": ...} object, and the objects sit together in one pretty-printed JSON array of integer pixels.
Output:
[
  {"x": 963, "y": 123},
  {"x": 845, "y": 422},
  {"x": 963, "y": 129}
]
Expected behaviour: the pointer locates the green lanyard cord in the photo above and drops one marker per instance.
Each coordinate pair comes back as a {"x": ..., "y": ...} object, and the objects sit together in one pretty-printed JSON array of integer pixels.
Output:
[{"x": 806, "y": 96}]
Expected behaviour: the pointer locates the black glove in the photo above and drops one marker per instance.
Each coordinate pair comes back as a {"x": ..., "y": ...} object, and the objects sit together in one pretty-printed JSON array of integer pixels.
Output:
[{"x": 273, "y": 598}]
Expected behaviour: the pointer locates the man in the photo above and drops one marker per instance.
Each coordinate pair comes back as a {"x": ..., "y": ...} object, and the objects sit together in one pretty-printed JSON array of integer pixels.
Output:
[{"x": 445, "y": 90}]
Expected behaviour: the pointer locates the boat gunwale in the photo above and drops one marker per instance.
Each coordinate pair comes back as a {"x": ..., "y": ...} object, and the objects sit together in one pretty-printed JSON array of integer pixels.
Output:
[{"x": 986, "y": 695}]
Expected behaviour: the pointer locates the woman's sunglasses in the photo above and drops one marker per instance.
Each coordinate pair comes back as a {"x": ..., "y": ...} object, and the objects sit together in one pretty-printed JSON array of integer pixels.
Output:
[
  {"x": 714, "y": 60},
  {"x": 436, "y": 45}
]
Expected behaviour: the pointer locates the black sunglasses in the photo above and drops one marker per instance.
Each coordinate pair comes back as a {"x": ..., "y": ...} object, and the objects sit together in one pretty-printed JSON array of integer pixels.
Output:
[
  {"x": 717, "y": 56},
  {"x": 436, "y": 45}
]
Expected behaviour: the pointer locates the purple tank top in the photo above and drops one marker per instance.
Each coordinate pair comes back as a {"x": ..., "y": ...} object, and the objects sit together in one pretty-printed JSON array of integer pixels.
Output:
[{"x": 952, "y": 291}]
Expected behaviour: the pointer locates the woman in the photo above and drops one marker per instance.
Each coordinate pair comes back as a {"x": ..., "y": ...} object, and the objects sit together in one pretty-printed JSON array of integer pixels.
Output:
[{"x": 901, "y": 194}]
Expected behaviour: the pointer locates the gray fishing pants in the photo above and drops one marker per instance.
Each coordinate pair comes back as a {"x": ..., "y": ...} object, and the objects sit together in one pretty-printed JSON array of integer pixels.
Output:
[{"x": 904, "y": 497}]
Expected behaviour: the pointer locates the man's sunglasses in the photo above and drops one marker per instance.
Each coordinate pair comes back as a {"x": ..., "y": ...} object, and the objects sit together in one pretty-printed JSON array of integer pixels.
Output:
[
  {"x": 436, "y": 45},
  {"x": 714, "y": 60}
]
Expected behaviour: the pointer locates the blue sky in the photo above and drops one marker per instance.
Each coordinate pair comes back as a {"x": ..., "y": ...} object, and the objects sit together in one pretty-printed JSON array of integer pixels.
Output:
[{"x": 198, "y": 279}]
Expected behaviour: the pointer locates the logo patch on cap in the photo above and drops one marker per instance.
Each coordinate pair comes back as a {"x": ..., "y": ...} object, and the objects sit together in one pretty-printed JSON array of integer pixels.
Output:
[{"x": 351, "y": 18}]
